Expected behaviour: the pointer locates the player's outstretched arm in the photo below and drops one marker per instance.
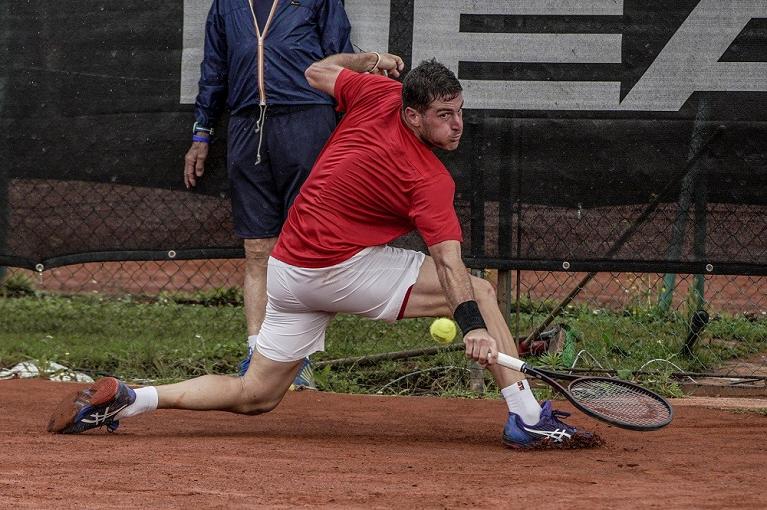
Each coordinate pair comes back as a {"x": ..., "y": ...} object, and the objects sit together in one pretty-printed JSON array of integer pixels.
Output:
[
  {"x": 452, "y": 274},
  {"x": 459, "y": 294},
  {"x": 322, "y": 75}
]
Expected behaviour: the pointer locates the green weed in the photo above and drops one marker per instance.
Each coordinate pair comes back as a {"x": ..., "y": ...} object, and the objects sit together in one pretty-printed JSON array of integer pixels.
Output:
[
  {"x": 762, "y": 411},
  {"x": 16, "y": 285}
]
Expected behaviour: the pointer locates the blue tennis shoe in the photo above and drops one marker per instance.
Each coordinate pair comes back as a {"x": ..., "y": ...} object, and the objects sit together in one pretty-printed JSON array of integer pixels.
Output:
[
  {"x": 305, "y": 378},
  {"x": 245, "y": 363},
  {"x": 92, "y": 407},
  {"x": 549, "y": 432},
  {"x": 303, "y": 381}
]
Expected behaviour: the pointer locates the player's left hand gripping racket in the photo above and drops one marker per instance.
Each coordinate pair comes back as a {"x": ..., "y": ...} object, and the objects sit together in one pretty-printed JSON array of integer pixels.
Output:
[{"x": 616, "y": 402}]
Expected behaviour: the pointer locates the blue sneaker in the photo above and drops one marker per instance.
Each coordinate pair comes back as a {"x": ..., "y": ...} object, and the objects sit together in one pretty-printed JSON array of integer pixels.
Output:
[
  {"x": 549, "y": 432},
  {"x": 305, "y": 378},
  {"x": 92, "y": 407},
  {"x": 303, "y": 381},
  {"x": 245, "y": 363}
]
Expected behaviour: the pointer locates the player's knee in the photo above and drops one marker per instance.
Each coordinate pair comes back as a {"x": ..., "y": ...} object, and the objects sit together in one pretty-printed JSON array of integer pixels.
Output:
[
  {"x": 255, "y": 397},
  {"x": 258, "y": 406},
  {"x": 483, "y": 289}
]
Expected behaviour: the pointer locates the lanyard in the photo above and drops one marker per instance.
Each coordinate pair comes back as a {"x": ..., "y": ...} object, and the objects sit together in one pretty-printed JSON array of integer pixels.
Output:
[{"x": 261, "y": 37}]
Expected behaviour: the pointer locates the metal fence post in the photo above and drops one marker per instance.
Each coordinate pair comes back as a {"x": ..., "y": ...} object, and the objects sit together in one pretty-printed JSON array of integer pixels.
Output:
[
  {"x": 505, "y": 300},
  {"x": 476, "y": 372},
  {"x": 4, "y": 177}
]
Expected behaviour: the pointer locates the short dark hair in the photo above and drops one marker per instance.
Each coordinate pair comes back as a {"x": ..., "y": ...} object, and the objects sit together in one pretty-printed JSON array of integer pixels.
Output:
[{"x": 427, "y": 82}]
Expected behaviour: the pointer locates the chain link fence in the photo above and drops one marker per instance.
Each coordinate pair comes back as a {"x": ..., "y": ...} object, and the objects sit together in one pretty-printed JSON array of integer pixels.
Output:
[
  {"x": 639, "y": 321},
  {"x": 733, "y": 295}
]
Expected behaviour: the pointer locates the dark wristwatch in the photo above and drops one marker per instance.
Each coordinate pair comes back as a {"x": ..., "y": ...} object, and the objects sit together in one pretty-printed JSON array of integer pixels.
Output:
[{"x": 197, "y": 127}]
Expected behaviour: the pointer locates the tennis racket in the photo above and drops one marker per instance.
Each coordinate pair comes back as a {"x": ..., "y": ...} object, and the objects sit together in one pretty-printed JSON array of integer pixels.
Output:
[{"x": 616, "y": 402}]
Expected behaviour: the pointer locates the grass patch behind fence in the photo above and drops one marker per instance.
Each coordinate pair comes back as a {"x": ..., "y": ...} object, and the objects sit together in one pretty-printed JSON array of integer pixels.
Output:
[
  {"x": 162, "y": 339},
  {"x": 171, "y": 338}
]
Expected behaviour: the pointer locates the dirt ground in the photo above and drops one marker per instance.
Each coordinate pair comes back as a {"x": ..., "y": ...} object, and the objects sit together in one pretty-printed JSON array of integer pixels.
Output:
[{"x": 331, "y": 450}]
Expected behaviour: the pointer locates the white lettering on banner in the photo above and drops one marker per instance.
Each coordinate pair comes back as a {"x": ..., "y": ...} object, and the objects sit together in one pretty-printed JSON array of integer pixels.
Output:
[
  {"x": 436, "y": 34},
  {"x": 688, "y": 63}
]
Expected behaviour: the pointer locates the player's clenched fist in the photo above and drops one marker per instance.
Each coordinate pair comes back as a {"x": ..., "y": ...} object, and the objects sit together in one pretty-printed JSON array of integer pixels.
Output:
[{"x": 481, "y": 347}]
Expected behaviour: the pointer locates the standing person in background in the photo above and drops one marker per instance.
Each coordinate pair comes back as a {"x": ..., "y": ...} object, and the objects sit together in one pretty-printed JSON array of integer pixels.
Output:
[{"x": 256, "y": 52}]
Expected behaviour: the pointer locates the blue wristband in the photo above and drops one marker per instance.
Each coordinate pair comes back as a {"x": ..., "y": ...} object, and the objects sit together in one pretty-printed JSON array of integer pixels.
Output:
[{"x": 203, "y": 139}]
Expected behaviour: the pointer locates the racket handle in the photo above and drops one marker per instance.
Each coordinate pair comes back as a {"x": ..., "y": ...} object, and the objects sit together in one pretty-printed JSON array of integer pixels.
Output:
[{"x": 510, "y": 362}]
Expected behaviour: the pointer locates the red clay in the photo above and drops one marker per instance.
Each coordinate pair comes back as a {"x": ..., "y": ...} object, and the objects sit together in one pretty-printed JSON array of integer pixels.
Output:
[{"x": 331, "y": 450}]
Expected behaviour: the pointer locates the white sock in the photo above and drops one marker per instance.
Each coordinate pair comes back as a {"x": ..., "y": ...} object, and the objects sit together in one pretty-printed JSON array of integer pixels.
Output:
[
  {"x": 521, "y": 401},
  {"x": 146, "y": 400},
  {"x": 252, "y": 339}
]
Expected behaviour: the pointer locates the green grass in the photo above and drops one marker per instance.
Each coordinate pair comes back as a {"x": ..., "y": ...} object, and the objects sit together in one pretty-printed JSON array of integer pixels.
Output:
[
  {"x": 175, "y": 337},
  {"x": 130, "y": 339},
  {"x": 629, "y": 341},
  {"x": 761, "y": 411},
  {"x": 165, "y": 340}
]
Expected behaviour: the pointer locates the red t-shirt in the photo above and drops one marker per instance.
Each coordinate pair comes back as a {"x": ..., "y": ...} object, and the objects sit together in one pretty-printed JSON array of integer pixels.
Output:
[{"x": 373, "y": 182}]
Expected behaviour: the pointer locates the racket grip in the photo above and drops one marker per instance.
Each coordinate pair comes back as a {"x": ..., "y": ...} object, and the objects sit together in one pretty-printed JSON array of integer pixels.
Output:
[{"x": 510, "y": 362}]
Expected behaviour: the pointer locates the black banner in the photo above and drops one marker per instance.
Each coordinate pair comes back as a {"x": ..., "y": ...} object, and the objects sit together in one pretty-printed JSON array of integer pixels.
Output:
[{"x": 581, "y": 126}]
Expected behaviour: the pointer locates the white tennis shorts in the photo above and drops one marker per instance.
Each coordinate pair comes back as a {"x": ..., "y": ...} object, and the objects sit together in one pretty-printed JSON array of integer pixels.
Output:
[{"x": 374, "y": 283}]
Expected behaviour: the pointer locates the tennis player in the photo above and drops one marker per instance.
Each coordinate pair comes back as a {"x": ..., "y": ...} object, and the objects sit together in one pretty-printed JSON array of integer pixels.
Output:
[{"x": 375, "y": 180}]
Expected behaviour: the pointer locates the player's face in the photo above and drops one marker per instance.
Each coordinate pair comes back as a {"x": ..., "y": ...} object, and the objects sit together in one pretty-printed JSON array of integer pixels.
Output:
[{"x": 442, "y": 123}]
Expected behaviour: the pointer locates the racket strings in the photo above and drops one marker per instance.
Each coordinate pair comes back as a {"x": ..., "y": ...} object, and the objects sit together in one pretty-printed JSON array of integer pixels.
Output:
[{"x": 619, "y": 401}]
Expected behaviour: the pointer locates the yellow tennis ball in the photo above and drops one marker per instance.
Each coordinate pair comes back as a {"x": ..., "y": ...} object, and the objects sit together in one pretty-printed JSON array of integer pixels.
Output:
[{"x": 443, "y": 330}]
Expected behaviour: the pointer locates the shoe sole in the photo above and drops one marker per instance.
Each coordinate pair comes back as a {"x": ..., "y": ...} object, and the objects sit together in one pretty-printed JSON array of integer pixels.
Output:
[
  {"x": 98, "y": 394},
  {"x": 535, "y": 445},
  {"x": 302, "y": 387},
  {"x": 574, "y": 443}
]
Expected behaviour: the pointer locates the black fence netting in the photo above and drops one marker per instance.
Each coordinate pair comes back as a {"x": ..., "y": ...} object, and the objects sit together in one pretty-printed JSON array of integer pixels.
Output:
[{"x": 611, "y": 138}]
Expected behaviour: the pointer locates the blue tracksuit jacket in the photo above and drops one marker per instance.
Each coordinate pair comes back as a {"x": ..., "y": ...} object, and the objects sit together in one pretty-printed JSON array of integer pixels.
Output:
[{"x": 301, "y": 32}]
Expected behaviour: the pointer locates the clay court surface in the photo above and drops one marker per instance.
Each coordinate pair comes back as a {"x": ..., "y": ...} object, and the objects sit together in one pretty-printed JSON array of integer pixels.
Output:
[{"x": 333, "y": 450}]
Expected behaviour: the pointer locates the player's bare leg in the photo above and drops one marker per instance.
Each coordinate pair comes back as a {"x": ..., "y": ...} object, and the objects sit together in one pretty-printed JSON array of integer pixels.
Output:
[
  {"x": 260, "y": 390},
  {"x": 257, "y": 252},
  {"x": 109, "y": 400},
  {"x": 427, "y": 299},
  {"x": 528, "y": 425}
]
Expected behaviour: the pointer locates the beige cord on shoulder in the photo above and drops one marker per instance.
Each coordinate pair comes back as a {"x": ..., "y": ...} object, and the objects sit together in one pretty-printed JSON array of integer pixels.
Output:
[
  {"x": 261, "y": 84},
  {"x": 261, "y": 37}
]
